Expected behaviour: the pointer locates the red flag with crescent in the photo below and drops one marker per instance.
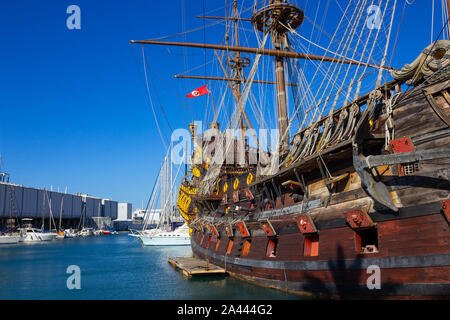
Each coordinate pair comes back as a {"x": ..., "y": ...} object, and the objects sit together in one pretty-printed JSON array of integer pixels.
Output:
[{"x": 198, "y": 92}]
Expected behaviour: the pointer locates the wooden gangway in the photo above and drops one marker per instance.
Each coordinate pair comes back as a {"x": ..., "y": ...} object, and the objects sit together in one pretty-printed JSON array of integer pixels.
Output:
[{"x": 195, "y": 267}]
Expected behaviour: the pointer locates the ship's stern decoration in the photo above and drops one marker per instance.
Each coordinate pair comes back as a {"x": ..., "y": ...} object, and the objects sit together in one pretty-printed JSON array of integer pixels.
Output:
[{"x": 184, "y": 200}]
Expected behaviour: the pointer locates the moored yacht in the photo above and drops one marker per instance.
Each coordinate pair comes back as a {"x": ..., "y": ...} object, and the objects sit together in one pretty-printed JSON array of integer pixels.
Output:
[
  {"x": 159, "y": 237},
  {"x": 31, "y": 234},
  {"x": 86, "y": 232},
  {"x": 70, "y": 233},
  {"x": 10, "y": 238}
]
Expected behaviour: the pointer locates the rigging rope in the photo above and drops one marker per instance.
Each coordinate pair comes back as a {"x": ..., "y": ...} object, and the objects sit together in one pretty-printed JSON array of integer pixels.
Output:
[
  {"x": 150, "y": 98},
  {"x": 387, "y": 45},
  {"x": 151, "y": 200},
  {"x": 315, "y": 74},
  {"x": 363, "y": 75},
  {"x": 209, "y": 180}
]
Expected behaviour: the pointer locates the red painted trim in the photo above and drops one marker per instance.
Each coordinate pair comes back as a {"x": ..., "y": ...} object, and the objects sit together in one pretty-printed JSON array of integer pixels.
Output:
[
  {"x": 305, "y": 225},
  {"x": 243, "y": 229},
  {"x": 358, "y": 219},
  {"x": 399, "y": 146},
  {"x": 268, "y": 229}
]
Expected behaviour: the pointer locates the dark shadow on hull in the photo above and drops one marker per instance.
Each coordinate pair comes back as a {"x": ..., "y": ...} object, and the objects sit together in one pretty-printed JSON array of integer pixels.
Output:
[{"x": 346, "y": 281}]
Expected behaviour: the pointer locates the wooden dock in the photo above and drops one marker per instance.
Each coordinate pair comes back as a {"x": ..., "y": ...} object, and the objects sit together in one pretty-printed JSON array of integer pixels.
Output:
[{"x": 195, "y": 267}]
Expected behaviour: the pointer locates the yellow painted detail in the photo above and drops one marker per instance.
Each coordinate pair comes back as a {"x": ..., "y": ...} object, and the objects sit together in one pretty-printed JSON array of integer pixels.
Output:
[
  {"x": 196, "y": 172},
  {"x": 289, "y": 162},
  {"x": 184, "y": 201},
  {"x": 225, "y": 187},
  {"x": 217, "y": 188},
  {"x": 249, "y": 178},
  {"x": 236, "y": 184}
]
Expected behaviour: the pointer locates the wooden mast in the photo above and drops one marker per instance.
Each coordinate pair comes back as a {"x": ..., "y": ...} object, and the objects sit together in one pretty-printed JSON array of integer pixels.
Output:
[
  {"x": 179, "y": 76},
  {"x": 278, "y": 40},
  {"x": 237, "y": 66},
  {"x": 274, "y": 18},
  {"x": 237, "y": 63}
]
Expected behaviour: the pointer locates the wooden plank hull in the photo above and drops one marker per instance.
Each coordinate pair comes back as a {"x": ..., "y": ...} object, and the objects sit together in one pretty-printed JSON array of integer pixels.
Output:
[{"x": 413, "y": 257}]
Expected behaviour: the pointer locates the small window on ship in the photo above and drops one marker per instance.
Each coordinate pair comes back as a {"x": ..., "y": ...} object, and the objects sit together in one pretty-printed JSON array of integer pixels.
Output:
[
  {"x": 229, "y": 246},
  {"x": 246, "y": 247},
  {"x": 367, "y": 241},
  {"x": 208, "y": 242},
  {"x": 271, "y": 249},
  {"x": 311, "y": 246}
]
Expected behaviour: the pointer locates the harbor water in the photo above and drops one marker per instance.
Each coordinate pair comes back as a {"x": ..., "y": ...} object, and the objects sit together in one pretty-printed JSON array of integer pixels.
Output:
[{"x": 111, "y": 267}]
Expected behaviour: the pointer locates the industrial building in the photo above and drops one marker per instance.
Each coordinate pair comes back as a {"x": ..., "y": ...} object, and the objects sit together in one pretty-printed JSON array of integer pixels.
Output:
[{"x": 20, "y": 202}]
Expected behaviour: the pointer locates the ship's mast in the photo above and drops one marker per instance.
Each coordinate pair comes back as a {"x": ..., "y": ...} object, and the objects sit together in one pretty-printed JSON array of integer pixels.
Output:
[
  {"x": 278, "y": 39},
  {"x": 275, "y": 18},
  {"x": 237, "y": 63},
  {"x": 278, "y": 17},
  {"x": 237, "y": 66}
]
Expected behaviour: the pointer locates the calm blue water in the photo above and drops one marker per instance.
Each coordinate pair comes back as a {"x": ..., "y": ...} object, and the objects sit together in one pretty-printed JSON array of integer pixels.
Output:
[{"x": 112, "y": 267}]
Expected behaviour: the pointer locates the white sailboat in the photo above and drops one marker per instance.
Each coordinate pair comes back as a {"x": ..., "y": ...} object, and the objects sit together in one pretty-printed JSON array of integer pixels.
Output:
[{"x": 163, "y": 235}]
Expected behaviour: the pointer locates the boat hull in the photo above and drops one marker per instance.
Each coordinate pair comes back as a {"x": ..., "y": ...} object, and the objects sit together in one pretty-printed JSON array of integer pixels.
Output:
[
  {"x": 10, "y": 239},
  {"x": 164, "y": 241},
  {"x": 38, "y": 236},
  {"x": 410, "y": 264}
]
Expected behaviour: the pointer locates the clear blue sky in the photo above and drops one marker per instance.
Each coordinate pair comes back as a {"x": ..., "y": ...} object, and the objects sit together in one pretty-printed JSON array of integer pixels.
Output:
[{"x": 73, "y": 105}]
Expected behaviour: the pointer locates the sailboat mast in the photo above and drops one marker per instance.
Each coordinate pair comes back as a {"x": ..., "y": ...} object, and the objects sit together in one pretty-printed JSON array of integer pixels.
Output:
[
  {"x": 49, "y": 214},
  {"x": 60, "y": 212},
  {"x": 43, "y": 209},
  {"x": 10, "y": 202}
]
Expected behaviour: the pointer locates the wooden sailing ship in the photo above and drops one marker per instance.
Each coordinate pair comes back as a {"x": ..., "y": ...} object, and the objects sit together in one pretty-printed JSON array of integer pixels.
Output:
[{"x": 359, "y": 193}]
